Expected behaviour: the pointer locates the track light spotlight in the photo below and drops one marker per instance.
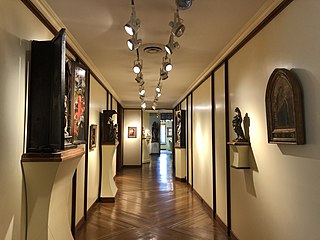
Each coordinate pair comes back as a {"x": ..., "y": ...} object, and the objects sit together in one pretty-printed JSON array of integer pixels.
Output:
[
  {"x": 177, "y": 26},
  {"x": 143, "y": 105},
  {"x": 183, "y": 4},
  {"x": 158, "y": 88},
  {"x": 158, "y": 94},
  {"x": 154, "y": 105},
  {"x": 172, "y": 45},
  {"x": 142, "y": 91},
  {"x": 134, "y": 43},
  {"x": 137, "y": 66},
  {"x": 133, "y": 25},
  {"x": 167, "y": 64},
  {"x": 163, "y": 74}
]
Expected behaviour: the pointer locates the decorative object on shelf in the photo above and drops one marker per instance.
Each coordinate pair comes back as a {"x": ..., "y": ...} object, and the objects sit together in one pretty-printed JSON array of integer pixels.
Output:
[
  {"x": 155, "y": 132},
  {"x": 180, "y": 129},
  {"x": 109, "y": 129},
  {"x": 237, "y": 127},
  {"x": 284, "y": 108},
  {"x": 57, "y": 120},
  {"x": 93, "y": 136},
  {"x": 177, "y": 30},
  {"x": 132, "y": 132}
]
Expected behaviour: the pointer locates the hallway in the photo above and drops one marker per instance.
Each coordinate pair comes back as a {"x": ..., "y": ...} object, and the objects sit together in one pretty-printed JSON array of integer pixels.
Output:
[{"x": 151, "y": 205}]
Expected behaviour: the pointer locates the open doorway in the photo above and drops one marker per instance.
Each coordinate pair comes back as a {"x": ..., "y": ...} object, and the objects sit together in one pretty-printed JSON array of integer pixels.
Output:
[{"x": 157, "y": 133}]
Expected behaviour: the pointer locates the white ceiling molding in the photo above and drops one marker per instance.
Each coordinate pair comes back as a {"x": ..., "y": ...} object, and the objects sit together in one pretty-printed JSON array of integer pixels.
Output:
[
  {"x": 51, "y": 16},
  {"x": 264, "y": 11}
]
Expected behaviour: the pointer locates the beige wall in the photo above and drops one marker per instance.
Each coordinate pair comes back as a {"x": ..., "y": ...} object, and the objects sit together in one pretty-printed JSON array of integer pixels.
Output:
[
  {"x": 132, "y": 146},
  {"x": 202, "y": 142},
  {"x": 278, "y": 198},
  {"x": 18, "y": 27},
  {"x": 189, "y": 132},
  {"x": 220, "y": 143},
  {"x": 98, "y": 100}
]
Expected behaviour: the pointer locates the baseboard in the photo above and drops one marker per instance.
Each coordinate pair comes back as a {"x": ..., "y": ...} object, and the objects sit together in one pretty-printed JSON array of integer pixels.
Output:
[
  {"x": 180, "y": 179},
  {"x": 132, "y": 166},
  {"x": 205, "y": 205},
  {"x": 221, "y": 223},
  {"x": 80, "y": 224},
  {"x": 107, "y": 199},
  {"x": 232, "y": 236}
]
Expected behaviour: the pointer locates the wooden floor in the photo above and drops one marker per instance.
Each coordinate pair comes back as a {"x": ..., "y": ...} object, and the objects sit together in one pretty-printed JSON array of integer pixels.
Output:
[{"x": 150, "y": 204}]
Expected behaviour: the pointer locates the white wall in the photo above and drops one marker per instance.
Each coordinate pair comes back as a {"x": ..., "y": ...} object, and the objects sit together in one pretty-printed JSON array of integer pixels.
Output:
[
  {"x": 115, "y": 120},
  {"x": 132, "y": 146},
  {"x": 189, "y": 132},
  {"x": 202, "y": 142},
  {"x": 278, "y": 199},
  {"x": 220, "y": 143},
  {"x": 18, "y": 27},
  {"x": 98, "y": 100}
]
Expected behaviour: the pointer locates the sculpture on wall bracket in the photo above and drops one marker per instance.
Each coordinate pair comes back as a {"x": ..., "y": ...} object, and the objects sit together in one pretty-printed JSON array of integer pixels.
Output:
[
  {"x": 109, "y": 130},
  {"x": 155, "y": 132},
  {"x": 237, "y": 127},
  {"x": 284, "y": 108}
]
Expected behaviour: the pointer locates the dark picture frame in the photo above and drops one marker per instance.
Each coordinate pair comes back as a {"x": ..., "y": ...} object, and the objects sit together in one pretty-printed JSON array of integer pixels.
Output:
[
  {"x": 132, "y": 132},
  {"x": 284, "y": 108},
  {"x": 93, "y": 136}
]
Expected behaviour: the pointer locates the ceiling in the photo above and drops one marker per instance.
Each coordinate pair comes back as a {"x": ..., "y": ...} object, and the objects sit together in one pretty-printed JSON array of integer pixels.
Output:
[{"x": 98, "y": 28}]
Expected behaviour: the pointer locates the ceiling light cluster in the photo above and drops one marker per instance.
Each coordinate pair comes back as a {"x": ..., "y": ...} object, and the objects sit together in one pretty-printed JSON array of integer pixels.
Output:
[{"x": 177, "y": 30}]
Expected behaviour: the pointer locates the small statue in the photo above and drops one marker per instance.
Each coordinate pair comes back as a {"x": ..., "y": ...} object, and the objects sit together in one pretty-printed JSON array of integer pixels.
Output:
[
  {"x": 155, "y": 132},
  {"x": 178, "y": 141},
  {"x": 236, "y": 123}
]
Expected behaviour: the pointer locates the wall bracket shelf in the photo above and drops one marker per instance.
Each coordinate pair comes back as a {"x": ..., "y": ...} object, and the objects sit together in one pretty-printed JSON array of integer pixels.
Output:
[{"x": 240, "y": 155}]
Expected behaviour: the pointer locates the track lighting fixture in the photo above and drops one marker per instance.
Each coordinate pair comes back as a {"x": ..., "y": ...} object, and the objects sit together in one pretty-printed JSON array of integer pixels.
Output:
[
  {"x": 166, "y": 64},
  {"x": 177, "y": 26},
  {"x": 163, "y": 74},
  {"x": 142, "y": 91},
  {"x": 143, "y": 105},
  {"x": 133, "y": 25},
  {"x": 134, "y": 43},
  {"x": 137, "y": 66},
  {"x": 154, "y": 105},
  {"x": 172, "y": 45},
  {"x": 158, "y": 88},
  {"x": 183, "y": 4},
  {"x": 139, "y": 79}
]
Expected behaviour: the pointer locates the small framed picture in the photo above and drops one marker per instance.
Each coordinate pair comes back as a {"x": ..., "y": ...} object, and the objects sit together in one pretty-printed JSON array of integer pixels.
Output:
[
  {"x": 169, "y": 131},
  {"x": 132, "y": 132},
  {"x": 93, "y": 136}
]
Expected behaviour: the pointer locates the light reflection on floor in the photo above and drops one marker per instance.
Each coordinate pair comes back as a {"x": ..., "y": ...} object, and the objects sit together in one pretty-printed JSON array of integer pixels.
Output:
[{"x": 164, "y": 162}]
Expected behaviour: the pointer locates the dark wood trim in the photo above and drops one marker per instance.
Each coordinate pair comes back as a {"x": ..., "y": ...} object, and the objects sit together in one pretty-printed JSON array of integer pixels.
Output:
[
  {"x": 52, "y": 157},
  {"x": 221, "y": 223},
  {"x": 252, "y": 34},
  {"x": 213, "y": 147},
  {"x": 233, "y": 236},
  {"x": 205, "y": 205},
  {"x": 180, "y": 179},
  {"x": 227, "y": 119},
  {"x": 173, "y": 141},
  {"x": 80, "y": 224},
  {"x": 131, "y": 166},
  {"x": 107, "y": 199},
  {"x": 73, "y": 203}
]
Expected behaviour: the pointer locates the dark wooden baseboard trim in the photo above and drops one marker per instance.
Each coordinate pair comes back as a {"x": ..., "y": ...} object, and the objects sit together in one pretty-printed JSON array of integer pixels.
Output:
[
  {"x": 221, "y": 223},
  {"x": 80, "y": 224},
  {"x": 107, "y": 199},
  {"x": 205, "y": 205},
  {"x": 232, "y": 236},
  {"x": 180, "y": 179},
  {"x": 132, "y": 166}
]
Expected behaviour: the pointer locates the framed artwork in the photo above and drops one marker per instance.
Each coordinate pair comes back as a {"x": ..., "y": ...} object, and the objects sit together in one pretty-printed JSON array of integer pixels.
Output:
[
  {"x": 284, "y": 106},
  {"x": 132, "y": 132},
  {"x": 93, "y": 136},
  {"x": 80, "y": 96},
  {"x": 169, "y": 131}
]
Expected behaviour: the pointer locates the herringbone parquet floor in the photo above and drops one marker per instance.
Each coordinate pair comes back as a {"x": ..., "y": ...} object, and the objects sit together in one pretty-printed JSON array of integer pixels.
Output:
[{"x": 151, "y": 205}]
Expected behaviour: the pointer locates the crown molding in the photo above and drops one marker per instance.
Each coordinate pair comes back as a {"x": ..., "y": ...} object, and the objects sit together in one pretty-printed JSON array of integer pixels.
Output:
[{"x": 56, "y": 22}]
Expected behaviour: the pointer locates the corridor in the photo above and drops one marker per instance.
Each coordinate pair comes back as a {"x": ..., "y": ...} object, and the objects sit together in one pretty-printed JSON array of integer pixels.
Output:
[{"x": 151, "y": 205}]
